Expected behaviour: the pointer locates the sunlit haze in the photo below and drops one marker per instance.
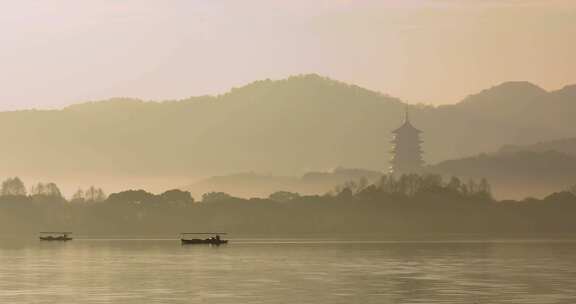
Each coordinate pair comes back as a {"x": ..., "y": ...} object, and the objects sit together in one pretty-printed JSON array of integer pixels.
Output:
[
  {"x": 287, "y": 151},
  {"x": 60, "y": 52}
]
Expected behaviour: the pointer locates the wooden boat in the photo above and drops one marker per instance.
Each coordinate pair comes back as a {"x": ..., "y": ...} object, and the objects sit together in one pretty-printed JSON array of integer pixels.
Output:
[
  {"x": 203, "y": 241},
  {"x": 214, "y": 239},
  {"x": 55, "y": 236}
]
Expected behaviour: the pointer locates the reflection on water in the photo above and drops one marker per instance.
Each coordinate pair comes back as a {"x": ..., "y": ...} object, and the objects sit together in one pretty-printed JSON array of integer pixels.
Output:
[{"x": 256, "y": 271}]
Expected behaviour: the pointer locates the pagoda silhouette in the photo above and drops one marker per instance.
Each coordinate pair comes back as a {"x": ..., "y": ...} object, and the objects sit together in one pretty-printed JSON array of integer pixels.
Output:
[{"x": 406, "y": 151}]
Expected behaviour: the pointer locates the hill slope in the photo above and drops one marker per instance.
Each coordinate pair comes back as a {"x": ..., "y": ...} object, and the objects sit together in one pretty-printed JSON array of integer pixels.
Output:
[
  {"x": 516, "y": 174},
  {"x": 260, "y": 185},
  {"x": 284, "y": 127},
  {"x": 567, "y": 146}
]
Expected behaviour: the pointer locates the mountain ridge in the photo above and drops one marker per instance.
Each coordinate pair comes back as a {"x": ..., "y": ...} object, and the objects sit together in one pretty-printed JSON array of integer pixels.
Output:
[
  {"x": 287, "y": 127},
  {"x": 516, "y": 174}
]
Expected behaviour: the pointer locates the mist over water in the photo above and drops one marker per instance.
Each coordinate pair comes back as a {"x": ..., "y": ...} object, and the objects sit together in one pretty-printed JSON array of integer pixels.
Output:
[
  {"x": 326, "y": 152},
  {"x": 294, "y": 270}
]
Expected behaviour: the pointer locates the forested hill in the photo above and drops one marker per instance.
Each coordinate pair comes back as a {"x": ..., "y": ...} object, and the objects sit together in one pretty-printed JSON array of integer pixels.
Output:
[
  {"x": 516, "y": 174},
  {"x": 281, "y": 127},
  {"x": 565, "y": 145}
]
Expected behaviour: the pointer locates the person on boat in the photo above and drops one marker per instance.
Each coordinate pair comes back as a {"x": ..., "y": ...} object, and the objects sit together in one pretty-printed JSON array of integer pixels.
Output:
[{"x": 217, "y": 238}]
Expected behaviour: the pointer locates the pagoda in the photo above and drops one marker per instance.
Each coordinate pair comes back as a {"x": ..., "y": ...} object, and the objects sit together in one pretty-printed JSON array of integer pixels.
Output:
[{"x": 406, "y": 151}]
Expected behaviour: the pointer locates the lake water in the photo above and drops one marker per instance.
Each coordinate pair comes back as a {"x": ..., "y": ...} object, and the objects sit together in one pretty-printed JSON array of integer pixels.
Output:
[{"x": 291, "y": 271}]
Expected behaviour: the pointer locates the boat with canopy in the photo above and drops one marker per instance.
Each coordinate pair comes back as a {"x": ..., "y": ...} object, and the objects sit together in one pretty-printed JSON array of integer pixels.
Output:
[
  {"x": 213, "y": 238},
  {"x": 55, "y": 236}
]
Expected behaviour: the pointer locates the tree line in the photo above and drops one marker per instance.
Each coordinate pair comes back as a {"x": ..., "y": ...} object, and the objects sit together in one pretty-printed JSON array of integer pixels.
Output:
[
  {"x": 408, "y": 185},
  {"x": 13, "y": 188},
  {"x": 405, "y": 204}
]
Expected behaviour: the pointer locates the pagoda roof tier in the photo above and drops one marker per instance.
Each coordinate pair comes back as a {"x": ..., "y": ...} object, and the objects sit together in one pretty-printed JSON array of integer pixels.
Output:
[{"x": 407, "y": 128}]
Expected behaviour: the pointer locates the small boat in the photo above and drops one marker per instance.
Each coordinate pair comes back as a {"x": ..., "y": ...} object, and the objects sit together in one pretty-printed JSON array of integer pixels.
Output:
[
  {"x": 214, "y": 239},
  {"x": 55, "y": 236}
]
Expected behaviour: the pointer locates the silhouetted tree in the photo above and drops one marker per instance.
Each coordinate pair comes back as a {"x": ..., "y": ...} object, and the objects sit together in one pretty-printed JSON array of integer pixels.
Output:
[
  {"x": 177, "y": 196},
  {"x": 454, "y": 185},
  {"x": 94, "y": 195},
  {"x": 354, "y": 187},
  {"x": 215, "y": 197},
  {"x": 78, "y": 197},
  {"x": 431, "y": 183},
  {"x": 37, "y": 189},
  {"x": 283, "y": 196},
  {"x": 472, "y": 187},
  {"x": 132, "y": 196},
  {"x": 410, "y": 185},
  {"x": 484, "y": 189},
  {"x": 13, "y": 187},
  {"x": 346, "y": 194},
  {"x": 49, "y": 190}
]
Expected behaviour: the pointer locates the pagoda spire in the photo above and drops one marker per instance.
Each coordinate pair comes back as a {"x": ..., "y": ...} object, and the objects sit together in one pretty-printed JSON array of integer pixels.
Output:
[
  {"x": 406, "y": 115},
  {"x": 406, "y": 152}
]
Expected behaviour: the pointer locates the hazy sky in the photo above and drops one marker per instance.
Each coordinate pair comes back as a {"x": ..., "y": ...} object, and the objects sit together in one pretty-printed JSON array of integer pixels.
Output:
[{"x": 58, "y": 52}]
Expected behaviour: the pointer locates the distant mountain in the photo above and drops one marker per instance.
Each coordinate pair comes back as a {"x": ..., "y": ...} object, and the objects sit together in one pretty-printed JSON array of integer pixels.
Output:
[
  {"x": 285, "y": 127},
  {"x": 516, "y": 174},
  {"x": 517, "y": 113},
  {"x": 526, "y": 103},
  {"x": 567, "y": 146},
  {"x": 508, "y": 97},
  {"x": 261, "y": 185}
]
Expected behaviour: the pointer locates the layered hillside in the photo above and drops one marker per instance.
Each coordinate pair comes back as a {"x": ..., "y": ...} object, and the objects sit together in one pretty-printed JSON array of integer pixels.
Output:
[
  {"x": 285, "y": 127},
  {"x": 516, "y": 174},
  {"x": 567, "y": 146},
  {"x": 262, "y": 185}
]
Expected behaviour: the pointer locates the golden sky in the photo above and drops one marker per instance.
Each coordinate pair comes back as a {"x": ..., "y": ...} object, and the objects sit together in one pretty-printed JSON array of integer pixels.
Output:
[{"x": 432, "y": 51}]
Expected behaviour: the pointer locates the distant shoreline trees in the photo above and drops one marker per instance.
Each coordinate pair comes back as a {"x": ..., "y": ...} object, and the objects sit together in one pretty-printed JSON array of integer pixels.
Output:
[
  {"x": 411, "y": 185},
  {"x": 50, "y": 190},
  {"x": 13, "y": 187},
  {"x": 405, "y": 204},
  {"x": 90, "y": 195}
]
